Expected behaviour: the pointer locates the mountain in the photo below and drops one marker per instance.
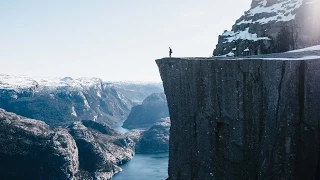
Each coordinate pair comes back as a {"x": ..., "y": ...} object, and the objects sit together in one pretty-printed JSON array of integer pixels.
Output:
[
  {"x": 272, "y": 26},
  {"x": 30, "y": 149},
  {"x": 63, "y": 101},
  {"x": 101, "y": 149},
  {"x": 137, "y": 91},
  {"x": 153, "y": 108},
  {"x": 156, "y": 139}
]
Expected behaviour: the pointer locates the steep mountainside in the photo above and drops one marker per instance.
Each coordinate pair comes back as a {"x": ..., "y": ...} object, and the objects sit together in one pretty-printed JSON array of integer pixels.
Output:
[
  {"x": 30, "y": 149},
  {"x": 153, "y": 108},
  {"x": 244, "y": 118},
  {"x": 272, "y": 26},
  {"x": 62, "y": 101},
  {"x": 101, "y": 149},
  {"x": 156, "y": 139}
]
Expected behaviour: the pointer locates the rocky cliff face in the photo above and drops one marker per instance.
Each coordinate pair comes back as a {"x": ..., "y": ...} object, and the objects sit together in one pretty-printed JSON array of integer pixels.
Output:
[
  {"x": 153, "y": 140},
  {"x": 101, "y": 149},
  {"x": 272, "y": 26},
  {"x": 255, "y": 118},
  {"x": 156, "y": 139},
  {"x": 152, "y": 109},
  {"x": 30, "y": 149},
  {"x": 63, "y": 101}
]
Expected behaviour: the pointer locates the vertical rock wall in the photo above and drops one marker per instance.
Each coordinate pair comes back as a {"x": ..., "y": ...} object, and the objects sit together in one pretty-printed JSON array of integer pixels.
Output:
[{"x": 243, "y": 119}]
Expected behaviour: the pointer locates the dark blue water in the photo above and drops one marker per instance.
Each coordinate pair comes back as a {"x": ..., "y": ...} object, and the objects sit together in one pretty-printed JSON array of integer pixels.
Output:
[{"x": 143, "y": 166}]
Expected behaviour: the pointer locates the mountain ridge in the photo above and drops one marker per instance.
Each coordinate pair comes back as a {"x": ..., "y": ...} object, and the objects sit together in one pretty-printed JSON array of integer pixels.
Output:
[{"x": 272, "y": 26}]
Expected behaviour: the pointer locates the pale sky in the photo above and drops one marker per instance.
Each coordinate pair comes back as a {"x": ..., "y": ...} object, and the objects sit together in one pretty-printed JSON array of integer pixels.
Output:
[{"x": 110, "y": 39}]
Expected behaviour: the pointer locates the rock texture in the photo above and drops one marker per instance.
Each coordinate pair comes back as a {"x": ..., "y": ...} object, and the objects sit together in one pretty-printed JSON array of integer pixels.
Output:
[
  {"x": 156, "y": 139},
  {"x": 272, "y": 26},
  {"x": 152, "y": 109},
  {"x": 30, "y": 149},
  {"x": 101, "y": 149},
  {"x": 243, "y": 118}
]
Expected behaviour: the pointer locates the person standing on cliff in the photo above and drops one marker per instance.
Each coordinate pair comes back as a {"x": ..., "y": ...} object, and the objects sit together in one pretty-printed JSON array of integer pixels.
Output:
[{"x": 170, "y": 52}]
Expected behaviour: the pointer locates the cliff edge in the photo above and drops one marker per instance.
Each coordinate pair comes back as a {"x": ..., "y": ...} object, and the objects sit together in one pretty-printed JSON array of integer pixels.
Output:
[{"x": 244, "y": 118}]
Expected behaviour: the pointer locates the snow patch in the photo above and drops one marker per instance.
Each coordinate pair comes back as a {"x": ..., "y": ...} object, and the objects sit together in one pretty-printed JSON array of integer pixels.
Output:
[
  {"x": 283, "y": 59},
  {"x": 73, "y": 112},
  {"x": 99, "y": 94},
  {"x": 312, "y": 48},
  {"x": 14, "y": 96},
  {"x": 51, "y": 96},
  {"x": 230, "y": 54},
  {"x": 281, "y": 11},
  {"x": 85, "y": 101},
  {"x": 244, "y": 35}
]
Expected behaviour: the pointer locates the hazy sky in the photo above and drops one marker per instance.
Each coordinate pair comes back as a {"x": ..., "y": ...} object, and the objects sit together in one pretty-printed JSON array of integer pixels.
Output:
[{"x": 110, "y": 39}]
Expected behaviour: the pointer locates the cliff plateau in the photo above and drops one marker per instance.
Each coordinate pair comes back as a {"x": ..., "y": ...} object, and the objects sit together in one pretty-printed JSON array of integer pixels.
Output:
[{"x": 250, "y": 118}]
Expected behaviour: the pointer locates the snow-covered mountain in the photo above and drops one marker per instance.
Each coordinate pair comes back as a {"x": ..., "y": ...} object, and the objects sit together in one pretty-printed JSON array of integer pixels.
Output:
[
  {"x": 138, "y": 91},
  {"x": 272, "y": 26},
  {"x": 61, "y": 101}
]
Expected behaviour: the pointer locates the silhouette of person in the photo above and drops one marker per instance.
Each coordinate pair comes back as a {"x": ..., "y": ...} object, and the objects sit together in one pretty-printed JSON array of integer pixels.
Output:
[{"x": 170, "y": 52}]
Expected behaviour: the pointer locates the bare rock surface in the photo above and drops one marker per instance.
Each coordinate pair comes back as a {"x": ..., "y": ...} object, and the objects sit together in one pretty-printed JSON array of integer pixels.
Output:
[
  {"x": 30, "y": 149},
  {"x": 272, "y": 26},
  {"x": 250, "y": 118}
]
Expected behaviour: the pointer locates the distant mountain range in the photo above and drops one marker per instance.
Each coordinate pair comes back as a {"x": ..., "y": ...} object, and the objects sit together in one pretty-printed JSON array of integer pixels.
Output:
[{"x": 61, "y": 101}]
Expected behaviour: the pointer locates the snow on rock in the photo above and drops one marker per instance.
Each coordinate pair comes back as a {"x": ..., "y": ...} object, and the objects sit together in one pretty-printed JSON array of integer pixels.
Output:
[
  {"x": 44, "y": 97},
  {"x": 244, "y": 35},
  {"x": 85, "y": 101},
  {"x": 282, "y": 11},
  {"x": 272, "y": 26},
  {"x": 293, "y": 59},
  {"x": 230, "y": 54},
  {"x": 99, "y": 94},
  {"x": 312, "y": 48},
  {"x": 73, "y": 112},
  {"x": 19, "y": 83}
]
